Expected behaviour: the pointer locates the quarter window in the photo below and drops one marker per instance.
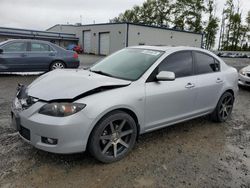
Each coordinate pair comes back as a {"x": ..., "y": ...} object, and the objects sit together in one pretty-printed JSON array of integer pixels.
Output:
[
  {"x": 180, "y": 63},
  {"x": 15, "y": 47},
  {"x": 39, "y": 47},
  {"x": 205, "y": 63}
]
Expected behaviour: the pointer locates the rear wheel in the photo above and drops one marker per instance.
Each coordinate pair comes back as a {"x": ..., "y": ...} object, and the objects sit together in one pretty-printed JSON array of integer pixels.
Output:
[
  {"x": 113, "y": 137},
  {"x": 224, "y": 108},
  {"x": 57, "y": 65}
]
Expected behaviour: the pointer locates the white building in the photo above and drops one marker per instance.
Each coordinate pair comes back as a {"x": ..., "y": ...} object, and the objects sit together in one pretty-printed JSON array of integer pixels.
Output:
[{"x": 103, "y": 39}]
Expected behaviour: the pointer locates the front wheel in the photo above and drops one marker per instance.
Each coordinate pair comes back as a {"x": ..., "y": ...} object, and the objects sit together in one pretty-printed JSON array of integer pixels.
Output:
[
  {"x": 224, "y": 108},
  {"x": 113, "y": 137}
]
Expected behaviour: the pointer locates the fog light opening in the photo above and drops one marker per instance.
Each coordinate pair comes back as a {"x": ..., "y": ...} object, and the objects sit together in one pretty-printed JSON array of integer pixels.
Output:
[{"x": 50, "y": 141}]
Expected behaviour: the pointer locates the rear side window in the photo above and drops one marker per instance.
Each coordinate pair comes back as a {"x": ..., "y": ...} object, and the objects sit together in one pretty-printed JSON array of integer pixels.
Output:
[
  {"x": 15, "y": 47},
  {"x": 205, "y": 63},
  {"x": 39, "y": 47},
  {"x": 180, "y": 63}
]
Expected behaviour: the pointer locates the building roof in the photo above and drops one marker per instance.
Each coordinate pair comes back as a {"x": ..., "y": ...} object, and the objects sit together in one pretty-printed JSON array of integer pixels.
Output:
[
  {"x": 14, "y": 32},
  {"x": 129, "y": 23}
]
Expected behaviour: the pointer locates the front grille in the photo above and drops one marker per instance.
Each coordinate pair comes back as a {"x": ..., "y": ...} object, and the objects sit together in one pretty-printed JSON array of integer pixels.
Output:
[
  {"x": 248, "y": 83},
  {"x": 248, "y": 74},
  {"x": 24, "y": 132}
]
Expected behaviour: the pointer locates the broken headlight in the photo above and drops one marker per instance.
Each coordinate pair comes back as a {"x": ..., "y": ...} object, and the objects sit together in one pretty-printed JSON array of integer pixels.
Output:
[{"x": 61, "y": 109}]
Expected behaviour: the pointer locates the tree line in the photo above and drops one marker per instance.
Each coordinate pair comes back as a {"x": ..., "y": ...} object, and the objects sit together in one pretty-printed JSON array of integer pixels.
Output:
[
  {"x": 194, "y": 15},
  {"x": 233, "y": 32}
]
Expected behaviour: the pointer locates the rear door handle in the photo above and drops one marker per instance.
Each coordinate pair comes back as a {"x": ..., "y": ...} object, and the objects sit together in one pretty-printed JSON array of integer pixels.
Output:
[
  {"x": 190, "y": 85},
  {"x": 219, "y": 80}
]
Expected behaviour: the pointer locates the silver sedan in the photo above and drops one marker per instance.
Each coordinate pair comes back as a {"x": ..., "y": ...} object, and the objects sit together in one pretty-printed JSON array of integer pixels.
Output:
[
  {"x": 244, "y": 76},
  {"x": 134, "y": 91}
]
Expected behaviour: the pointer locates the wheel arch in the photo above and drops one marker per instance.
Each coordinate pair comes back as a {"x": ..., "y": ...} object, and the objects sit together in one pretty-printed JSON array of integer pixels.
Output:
[
  {"x": 230, "y": 91},
  {"x": 126, "y": 110},
  {"x": 57, "y": 60}
]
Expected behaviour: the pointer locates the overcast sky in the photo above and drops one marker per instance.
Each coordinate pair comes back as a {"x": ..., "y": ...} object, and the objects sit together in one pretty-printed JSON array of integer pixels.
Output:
[{"x": 42, "y": 14}]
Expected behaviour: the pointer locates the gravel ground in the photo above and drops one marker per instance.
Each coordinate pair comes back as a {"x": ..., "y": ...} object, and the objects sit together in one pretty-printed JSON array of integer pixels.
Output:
[{"x": 197, "y": 153}]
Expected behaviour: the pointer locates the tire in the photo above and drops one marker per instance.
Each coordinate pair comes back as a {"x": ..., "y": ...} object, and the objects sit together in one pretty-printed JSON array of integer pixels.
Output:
[
  {"x": 224, "y": 108},
  {"x": 57, "y": 65},
  {"x": 113, "y": 137}
]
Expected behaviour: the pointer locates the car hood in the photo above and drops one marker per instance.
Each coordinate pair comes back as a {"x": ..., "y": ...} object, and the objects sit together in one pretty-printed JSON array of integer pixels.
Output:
[
  {"x": 70, "y": 84},
  {"x": 247, "y": 69}
]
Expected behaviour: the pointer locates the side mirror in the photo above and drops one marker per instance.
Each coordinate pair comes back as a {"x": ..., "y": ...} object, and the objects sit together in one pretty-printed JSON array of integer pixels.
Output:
[
  {"x": 165, "y": 76},
  {"x": 1, "y": 51}
]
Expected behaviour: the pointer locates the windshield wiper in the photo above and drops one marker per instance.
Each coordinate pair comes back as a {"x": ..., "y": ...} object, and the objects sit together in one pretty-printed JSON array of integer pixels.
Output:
[{"x": 101, "y": 72}]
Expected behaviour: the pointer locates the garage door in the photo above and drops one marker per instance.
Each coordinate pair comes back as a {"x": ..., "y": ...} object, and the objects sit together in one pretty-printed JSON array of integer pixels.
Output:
[
  {"x": 104, "y": 43},
  {"x": 87, "y": 41}
]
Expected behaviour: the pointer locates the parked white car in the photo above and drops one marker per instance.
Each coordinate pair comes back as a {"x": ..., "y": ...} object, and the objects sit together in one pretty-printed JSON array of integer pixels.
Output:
[{"x": 244, "y": 76}]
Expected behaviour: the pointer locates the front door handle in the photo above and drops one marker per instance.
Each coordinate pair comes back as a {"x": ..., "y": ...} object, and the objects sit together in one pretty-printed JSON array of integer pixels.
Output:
[
  {"x": 190, "y": 85},
  {"x": 219, "y": 80}
]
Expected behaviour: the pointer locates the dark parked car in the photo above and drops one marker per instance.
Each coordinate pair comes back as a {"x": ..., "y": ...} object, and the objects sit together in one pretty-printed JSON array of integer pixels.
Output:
[{"x": 27, "y": 55}]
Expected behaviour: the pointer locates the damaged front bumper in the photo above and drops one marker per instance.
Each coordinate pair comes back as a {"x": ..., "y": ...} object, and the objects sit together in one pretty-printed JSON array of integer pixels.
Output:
[{"x": 53, "y": 134}]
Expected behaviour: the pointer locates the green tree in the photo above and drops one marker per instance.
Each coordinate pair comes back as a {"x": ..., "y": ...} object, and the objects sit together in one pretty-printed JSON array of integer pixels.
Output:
[
  {"x": 248, "y": 20},
  {"x": 179, "y": 12},
  {"x": 212, "y": 26},
  {"x": 162, "y": 10},
  {"x": 229, "y": 12},
  {"x": 188, "y": 13}
]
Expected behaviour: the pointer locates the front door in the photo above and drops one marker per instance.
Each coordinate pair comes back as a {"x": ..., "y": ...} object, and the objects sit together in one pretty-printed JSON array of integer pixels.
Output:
[
  {"x": 171, "y": 101},
  {"x": 14, "y": 57}
]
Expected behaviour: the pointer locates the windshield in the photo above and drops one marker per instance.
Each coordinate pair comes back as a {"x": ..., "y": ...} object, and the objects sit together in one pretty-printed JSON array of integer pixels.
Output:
[{"x": 128, "y": 64}]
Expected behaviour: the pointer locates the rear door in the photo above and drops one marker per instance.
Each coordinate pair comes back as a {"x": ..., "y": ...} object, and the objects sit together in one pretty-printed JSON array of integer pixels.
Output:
[
  {"x": 170, "y": 101},
  {"x": 209, "y": 83},
  {"x": 14, "y": 57},
  {"x": 40, "y": 56}
]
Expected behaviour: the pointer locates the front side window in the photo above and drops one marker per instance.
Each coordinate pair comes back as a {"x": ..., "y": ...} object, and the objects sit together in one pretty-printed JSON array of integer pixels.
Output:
[
  {"x": 180, "y": 63},
  {"x": 128, "y": 64},
  {"x": 15, "y": 47},
  {"x": 39, "y": 47},
  {"x": 205, "y": 63}
]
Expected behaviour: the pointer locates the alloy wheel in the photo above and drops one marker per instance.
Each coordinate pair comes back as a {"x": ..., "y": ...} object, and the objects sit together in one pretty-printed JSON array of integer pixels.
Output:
[
  {"x": 115, "y": 138},
  {"x": 226, "y": 107}
]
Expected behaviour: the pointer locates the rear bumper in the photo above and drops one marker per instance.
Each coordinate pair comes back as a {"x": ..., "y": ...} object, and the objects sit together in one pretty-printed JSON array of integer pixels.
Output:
[{"x": 73, "y": 64}]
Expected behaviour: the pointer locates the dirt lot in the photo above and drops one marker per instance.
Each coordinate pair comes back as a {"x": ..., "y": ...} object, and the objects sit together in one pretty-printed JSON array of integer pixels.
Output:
[{"x": 196, "y": 153}]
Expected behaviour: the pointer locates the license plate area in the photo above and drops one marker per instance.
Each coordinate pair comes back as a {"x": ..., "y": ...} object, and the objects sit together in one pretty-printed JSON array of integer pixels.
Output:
[
  {"x": 15, "y": 121},
  {"x": 24, "y": 132}
]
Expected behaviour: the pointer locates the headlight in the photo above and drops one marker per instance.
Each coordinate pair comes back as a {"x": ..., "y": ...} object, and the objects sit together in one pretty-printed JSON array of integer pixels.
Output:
[
  {"x": 61, "y": 109},
  {"x": 242, "y": 72}
]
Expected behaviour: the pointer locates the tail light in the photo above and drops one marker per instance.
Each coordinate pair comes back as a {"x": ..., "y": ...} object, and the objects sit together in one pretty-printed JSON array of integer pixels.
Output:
[{"x": 75, "y": 55}]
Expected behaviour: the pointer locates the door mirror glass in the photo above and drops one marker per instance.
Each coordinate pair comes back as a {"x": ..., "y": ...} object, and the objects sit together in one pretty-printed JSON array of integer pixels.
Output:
[
  {"x": 1, "y": 51},
  {"x": 165, "y": 76}
]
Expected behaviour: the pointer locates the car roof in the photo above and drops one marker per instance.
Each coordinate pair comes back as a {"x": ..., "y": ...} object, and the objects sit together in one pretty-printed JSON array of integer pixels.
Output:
[
  {"x": 172, "y": 49},
  {"x": 34, "y": 40},
  {"x": 167, "y": 48}
]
